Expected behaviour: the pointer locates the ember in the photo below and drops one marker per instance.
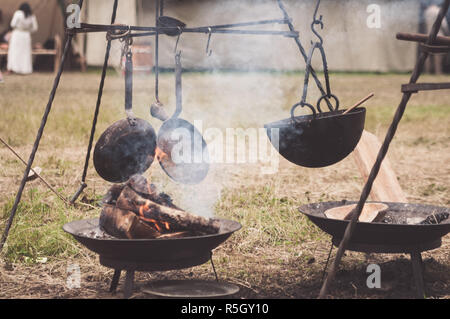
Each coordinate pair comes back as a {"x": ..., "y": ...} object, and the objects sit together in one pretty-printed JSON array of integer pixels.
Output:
[{"x": 135, "y": 210}]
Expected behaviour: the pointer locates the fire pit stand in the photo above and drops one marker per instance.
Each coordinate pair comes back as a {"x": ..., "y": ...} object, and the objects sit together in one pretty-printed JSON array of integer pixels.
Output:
[
  {"x": 430, "y": 47},
  {"x": 394, "y": 234},
  {"x": 415, "y": 252},
  {"x": 131, "y": 255},
  {"x": 130, "y": 267}
]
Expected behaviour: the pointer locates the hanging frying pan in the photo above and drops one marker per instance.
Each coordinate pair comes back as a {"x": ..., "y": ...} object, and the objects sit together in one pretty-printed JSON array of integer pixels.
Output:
[
  {"x": 128, "y": 146},
  {"x": 171, "y": 26},
  {"x": 182, "y": 151}
]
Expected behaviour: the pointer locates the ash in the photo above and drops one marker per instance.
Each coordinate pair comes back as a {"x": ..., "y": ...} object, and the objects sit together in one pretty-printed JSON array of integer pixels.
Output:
[
  {"x": 96, "y": 233},
  {"x": 393, "y": 217}
]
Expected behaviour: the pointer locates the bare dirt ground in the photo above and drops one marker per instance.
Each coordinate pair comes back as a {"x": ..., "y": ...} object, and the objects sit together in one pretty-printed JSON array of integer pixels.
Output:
[{"x": 278, "y": 253}]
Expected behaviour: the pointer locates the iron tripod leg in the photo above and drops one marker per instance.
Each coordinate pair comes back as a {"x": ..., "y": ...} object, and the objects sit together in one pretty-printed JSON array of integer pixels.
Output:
[
  {"x": 115, "y": 281},
  {"x": 324, "y": 271},
  {"x": 96, "y": 112},
  {"x": 417, "y": 265},
  {"x": 129, "y": 284},
  {"x": 214, "y": 268}
]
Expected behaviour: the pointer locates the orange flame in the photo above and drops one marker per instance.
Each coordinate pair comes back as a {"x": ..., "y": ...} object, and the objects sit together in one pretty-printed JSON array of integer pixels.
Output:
[
  {"x": 154, "y": 222},
  {"x": 160, "y": 154}
]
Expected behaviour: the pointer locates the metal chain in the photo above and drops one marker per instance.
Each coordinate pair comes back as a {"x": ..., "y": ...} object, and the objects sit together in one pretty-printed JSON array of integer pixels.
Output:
[{"x": 327, "y": 95}]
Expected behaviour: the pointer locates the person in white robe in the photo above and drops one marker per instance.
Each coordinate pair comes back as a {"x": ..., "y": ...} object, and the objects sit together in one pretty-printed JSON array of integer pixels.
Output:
[{"x": 23, "y": 24}]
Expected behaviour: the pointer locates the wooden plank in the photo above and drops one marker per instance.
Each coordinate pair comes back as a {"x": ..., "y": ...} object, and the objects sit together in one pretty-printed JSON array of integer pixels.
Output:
[
  {"x": 386, "y": 187},
  {"x": 371, "y": 212},
  {"x": 423, "y": 38},
  {"x": 35, "y": 52}
]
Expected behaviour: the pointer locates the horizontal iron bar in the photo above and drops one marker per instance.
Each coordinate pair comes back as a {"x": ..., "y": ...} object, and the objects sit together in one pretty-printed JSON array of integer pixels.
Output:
[
  {"x": 245, "y": 24},
  {"x": 416, "y": 87},
  {"x": 85, "y": 27},
  {"x": 289, "y": 34}
]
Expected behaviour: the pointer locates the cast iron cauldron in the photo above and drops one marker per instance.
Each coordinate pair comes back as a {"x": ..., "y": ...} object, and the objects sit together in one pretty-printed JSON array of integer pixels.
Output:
[{"x": 318, "y": 140}]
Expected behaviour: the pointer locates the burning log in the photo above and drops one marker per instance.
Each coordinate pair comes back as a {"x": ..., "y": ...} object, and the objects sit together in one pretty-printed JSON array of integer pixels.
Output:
[
  {"x": 139, "y": 185},
  {"x": 125, "y": 224},
  {"x": 172, "y": 218},
  {"x": 136, "y": 210}
]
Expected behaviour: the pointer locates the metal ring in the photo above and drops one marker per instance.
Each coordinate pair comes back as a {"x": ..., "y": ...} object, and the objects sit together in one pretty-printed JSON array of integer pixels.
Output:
[
  {"x": 118, "y": 34},
  {"x": 330, "y": 108},
  {"x": 302, "y": 104}
]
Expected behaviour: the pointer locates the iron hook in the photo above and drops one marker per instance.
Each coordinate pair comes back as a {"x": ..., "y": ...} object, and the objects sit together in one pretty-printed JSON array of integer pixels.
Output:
[
  {"x": 178, "y": 39},
  {"x": 208, "y": 50},
  {"x": 317, "y": 22}
]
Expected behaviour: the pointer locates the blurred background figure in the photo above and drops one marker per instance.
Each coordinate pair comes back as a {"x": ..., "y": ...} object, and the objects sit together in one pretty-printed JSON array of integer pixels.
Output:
[
  {"x": 1, "y": 36},
  {"x": 23, "y": 24},
  {"x": 435, "y": 63}
]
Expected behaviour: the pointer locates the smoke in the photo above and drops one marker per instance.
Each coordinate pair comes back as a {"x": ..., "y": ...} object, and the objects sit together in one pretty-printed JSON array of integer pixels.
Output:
[{"x": 245, "y": 86}]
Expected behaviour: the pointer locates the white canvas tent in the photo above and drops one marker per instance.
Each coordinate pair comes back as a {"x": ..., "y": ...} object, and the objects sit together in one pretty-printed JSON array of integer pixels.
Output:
[{"x": 351, "y": 44}]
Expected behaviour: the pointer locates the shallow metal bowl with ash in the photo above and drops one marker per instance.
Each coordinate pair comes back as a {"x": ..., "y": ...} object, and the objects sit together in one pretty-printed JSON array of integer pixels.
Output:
[
  {"x": 403, "y": 225},
  {"x": 149, "y": 254},
  {"x": 402, "y": 228}
]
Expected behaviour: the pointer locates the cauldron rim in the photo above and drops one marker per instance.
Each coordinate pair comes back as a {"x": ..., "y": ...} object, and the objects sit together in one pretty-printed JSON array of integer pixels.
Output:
[{"x": 310, "y": 118}]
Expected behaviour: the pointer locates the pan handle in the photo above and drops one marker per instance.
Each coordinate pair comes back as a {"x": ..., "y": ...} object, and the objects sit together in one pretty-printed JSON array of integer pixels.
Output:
[
  {"x": 129, "y": 87},
  {"x": 178, "y": 87}
]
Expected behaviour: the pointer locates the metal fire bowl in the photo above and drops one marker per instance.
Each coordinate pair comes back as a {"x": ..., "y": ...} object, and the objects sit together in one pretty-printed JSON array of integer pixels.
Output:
[
  {"x": 321, "y": 141},
  {"x": 150, "y": 254},
  {"x": 381, "y": 233}
]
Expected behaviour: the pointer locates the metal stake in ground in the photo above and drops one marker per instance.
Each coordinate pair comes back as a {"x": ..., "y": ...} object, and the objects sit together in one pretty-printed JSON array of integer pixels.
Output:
[
  {"x": 382, "y": 153},
  {"x": 36, "y": 173},
  {"x": 38, "y": 138}
]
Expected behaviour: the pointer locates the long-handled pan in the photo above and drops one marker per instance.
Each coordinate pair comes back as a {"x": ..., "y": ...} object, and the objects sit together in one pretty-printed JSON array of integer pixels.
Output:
[
  {"x": 182, "y": 151},
  {"x": 128, "y": 146}
]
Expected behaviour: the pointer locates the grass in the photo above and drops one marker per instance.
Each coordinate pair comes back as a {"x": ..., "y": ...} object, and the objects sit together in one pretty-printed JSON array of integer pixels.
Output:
[
  {"x": 267, "y": 220},
  {"x": 278, "y": 252},
  {"x": 37, "y": 230}
]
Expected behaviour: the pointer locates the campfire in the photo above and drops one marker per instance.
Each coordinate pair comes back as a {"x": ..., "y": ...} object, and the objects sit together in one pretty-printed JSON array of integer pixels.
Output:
[{"x": 136, "y": 210}]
